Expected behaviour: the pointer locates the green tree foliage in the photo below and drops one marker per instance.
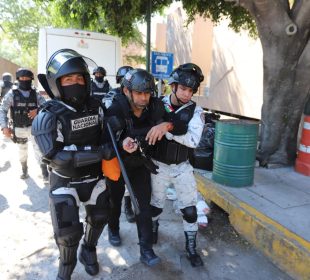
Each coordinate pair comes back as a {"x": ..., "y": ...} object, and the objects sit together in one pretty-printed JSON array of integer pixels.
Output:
[
  {"x": 217, "y": 10},
  {"x": 20, "y": 22}
]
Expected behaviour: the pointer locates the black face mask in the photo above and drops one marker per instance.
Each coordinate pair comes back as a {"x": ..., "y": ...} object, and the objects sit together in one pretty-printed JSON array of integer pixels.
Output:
[
  {"x": 25, "y": 85},
  {"x": 99, "y": 79},
  {"x": 75, "y": 96},
  {"x": 7, "y": 84}
]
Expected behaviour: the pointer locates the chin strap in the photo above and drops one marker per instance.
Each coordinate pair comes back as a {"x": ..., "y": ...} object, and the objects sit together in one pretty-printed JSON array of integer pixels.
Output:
[{"x": 175, "y": 93}]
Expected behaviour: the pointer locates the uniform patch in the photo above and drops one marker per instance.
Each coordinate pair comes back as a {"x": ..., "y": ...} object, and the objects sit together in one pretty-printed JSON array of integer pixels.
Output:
[{"x": 85, "y": 122}]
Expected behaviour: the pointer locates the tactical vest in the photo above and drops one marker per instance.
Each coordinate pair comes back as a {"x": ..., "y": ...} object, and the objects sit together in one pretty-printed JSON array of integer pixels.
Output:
[
  {"x": 81, "y": 129},
  {"x": 99, "y": 93},
  {"x": 21, "y": 107},
  {"x": 170, "y": 151}
]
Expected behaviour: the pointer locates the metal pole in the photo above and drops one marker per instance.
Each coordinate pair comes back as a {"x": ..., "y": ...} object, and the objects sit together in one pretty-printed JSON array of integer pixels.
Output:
[
  {"x": 159, "y": 85},
  {"x": 148, "y": 35}
]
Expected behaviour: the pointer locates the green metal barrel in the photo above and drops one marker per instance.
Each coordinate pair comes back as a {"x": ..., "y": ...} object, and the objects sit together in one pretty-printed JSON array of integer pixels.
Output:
[{"x": 234, "y": 152}]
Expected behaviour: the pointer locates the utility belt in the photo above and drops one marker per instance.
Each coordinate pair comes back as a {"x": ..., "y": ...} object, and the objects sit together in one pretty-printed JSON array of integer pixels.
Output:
[{"x": 171, "y": 152}]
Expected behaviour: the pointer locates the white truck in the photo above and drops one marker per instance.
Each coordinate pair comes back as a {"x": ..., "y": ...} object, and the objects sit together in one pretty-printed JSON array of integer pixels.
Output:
[{"x": 104, "y": 49}]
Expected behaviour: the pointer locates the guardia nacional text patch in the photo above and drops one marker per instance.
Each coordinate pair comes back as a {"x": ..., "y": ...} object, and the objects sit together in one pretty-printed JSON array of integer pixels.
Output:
[{"x": 85, "y": 122}]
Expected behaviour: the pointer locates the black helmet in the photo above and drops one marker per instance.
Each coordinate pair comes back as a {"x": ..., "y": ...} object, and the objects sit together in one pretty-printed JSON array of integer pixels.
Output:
[
  {"x": 139, "y": 80},
  {"x": 24, "y": 72},
  {"x": 7, "y": 77},
  {"x": 101, "y": 70},
  {"x": 121, "y": 73},
  {"x": 64, "y": 62},
  {"x": 188, "y": 74}
]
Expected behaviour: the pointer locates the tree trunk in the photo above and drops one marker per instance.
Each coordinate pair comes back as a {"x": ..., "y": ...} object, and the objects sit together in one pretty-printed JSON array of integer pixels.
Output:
[{"x": 284, "y": 34}]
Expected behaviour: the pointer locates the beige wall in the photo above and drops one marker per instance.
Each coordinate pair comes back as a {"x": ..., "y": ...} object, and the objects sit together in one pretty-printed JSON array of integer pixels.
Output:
[
  {"x": 231, "y": 63},
  {"x": 161, "y": 39},
  {"x": 7, "y": 66},
  {"x": 202, "y": 47}
]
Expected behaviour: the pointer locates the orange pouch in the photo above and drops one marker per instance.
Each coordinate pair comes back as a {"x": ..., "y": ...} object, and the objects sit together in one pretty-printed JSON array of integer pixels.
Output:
[{"x": 111, "y": 169}]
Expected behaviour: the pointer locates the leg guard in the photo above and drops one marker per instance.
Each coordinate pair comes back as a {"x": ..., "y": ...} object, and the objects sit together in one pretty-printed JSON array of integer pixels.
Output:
[
  {"x": 68, "y": 231},
  {"x": 88, "y": 254},
  {"x": 96, "y": 219},
  {"x": 190, "y": 248},
  {"x": 88, "y": 257}
]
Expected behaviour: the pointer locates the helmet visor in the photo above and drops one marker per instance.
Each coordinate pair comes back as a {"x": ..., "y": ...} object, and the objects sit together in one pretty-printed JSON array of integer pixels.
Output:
[{"x": 61, "y": 57}]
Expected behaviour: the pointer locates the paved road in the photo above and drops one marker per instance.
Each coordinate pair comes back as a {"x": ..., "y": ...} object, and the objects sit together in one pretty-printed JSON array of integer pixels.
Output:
[{"x": 28, "y": 251}]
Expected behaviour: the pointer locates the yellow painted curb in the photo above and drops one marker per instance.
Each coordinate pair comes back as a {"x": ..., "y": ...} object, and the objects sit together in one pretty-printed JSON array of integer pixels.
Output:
[{"x": 288, "y": 251}]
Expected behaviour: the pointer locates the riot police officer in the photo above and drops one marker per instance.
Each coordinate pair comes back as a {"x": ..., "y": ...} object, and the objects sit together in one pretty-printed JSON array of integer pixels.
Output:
[
  {"x": 100, "y": 86},
  {"x": 68, "y": 130},
  {"x": 172, "y": 154},
  {"x": 22, "y": 102},
  {"x": 119, "y": 77},
  {"x": 138, "y": 112},
  {"x": 6, "y": 84}
]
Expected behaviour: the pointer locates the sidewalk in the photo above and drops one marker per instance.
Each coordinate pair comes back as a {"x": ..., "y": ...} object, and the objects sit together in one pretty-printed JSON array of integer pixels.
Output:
[{"x": 273, "y": 214}]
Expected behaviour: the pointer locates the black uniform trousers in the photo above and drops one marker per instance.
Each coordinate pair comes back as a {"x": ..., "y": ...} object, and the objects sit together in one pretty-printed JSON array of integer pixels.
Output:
[{"x": 140, "y": 180}]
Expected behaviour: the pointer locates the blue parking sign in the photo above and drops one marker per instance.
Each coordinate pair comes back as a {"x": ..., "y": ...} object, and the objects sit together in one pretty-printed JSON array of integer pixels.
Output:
[{"x": 162, "y": 64}]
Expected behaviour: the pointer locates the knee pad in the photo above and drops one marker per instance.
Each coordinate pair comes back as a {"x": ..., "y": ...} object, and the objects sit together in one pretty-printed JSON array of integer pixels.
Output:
[
  {"x": 65, "y": 219},
  {"x": 156, "y": 211},
  {"x": 190, "y": 214},
  {"x": 98, "y": 214}
]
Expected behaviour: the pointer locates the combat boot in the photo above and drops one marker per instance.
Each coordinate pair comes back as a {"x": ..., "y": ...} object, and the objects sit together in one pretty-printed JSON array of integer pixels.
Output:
[
  {"x": 88, "y": 254},
  {"x": 190, "y": 248},
  {"x": 155, "y": 226},
  {"x": 130, "y": 215},
  {"x": 88, "y": 257},
  {"x": 147, "y": 255},
  {"x": 114, "y": 237},
  {"x": 44, "y": 172},
  {"x": 25, "y": 174}
]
